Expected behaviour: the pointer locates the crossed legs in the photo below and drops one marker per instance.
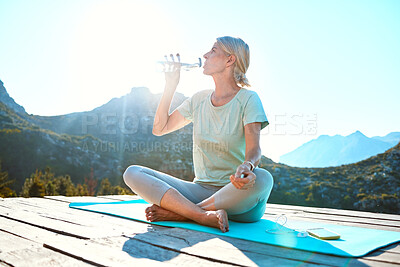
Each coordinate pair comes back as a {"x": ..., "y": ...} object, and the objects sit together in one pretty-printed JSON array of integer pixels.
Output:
[
  {"x": 175, "y": 203},
  {"x": 175, "y": 199}
]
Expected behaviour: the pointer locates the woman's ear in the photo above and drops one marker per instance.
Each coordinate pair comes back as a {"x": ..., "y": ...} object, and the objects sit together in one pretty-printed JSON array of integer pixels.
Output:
[{"x": 231, "y": 60}]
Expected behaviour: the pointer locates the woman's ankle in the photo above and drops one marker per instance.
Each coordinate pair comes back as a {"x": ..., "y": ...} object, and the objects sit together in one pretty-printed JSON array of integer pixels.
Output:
[{"x": 209, "y": 204}]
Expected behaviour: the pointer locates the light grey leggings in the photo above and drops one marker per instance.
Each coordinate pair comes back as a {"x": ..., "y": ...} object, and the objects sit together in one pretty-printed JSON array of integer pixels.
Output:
[{"x": 243, "y": 205}]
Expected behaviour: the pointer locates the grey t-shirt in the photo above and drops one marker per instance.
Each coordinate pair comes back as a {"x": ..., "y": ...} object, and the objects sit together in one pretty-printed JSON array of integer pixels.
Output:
[{"x": 218, "y": 133}]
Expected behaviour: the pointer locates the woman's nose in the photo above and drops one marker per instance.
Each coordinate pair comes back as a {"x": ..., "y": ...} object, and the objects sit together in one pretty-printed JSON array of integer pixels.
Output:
[{"x": 205, "y": 55}]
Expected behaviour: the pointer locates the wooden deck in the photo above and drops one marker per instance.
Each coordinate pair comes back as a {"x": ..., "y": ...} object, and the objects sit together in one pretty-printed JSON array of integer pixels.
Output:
[{"x": 46, "y": 232}]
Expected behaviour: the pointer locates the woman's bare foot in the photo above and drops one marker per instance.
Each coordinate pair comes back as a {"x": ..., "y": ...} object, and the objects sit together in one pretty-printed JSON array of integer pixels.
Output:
[
  {"x": 155, "y": 213},
  {"x": 217, "y": 219}
]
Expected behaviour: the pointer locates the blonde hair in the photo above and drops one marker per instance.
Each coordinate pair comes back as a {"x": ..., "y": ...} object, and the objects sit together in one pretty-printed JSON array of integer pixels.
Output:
[{"x": 237, "y": 47}]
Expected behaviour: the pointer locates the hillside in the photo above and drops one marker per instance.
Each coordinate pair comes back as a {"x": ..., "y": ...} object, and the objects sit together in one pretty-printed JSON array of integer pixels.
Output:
[
  {"x": 25, "y": 147},
  {"x": 372, "y": 184},
  {"x": 73, "y": 144}
]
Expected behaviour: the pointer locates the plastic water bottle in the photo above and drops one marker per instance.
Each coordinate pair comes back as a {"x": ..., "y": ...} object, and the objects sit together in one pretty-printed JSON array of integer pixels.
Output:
[{"x": 167, "y": 65}]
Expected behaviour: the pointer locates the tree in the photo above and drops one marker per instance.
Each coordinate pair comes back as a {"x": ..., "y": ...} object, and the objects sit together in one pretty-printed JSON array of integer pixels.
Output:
[
  {"x": 65, "y": 187},
  {"x": 49, "y": 182},
  {"x": 36, "y": 188},
  {"x": 51, "y": 188},
  {"x": 82, "y": 190},
  {"x": 91, "y": 183},
  {"x": 105, "y": 187},
  {"x": 5, "y": 191},
  {"x": 118, "y": 190},
  {"x": 32, "y": 185}
]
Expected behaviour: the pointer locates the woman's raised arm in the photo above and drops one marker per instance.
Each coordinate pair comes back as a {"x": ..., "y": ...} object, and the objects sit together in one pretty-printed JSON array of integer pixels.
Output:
[
  {"x": 163, "y": 122},
  {"x": 175, "y": 121}
]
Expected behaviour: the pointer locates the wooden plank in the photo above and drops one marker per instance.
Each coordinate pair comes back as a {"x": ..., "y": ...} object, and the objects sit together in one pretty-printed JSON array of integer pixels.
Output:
[
  {"x": 330, "y": 214},
  {"x": 50, "y": 224},
  {"x": 56, "y": 214},
  {"x": 20, "y": 251},
  {"x": 38, "y": 199},
  {"x": 351, "y": 213},
  {"x": 120, "y": 197},
  {"x": 38, "y": 256},
  {"x": 391, "y": 225},
  {"x": 78, "y": 199},
  {"x": 304, "y": 256},
  {"x": 331, "y": 219},
  {"x": 111, "y": 251},
  {"x": 111, "y": 257},
  {"x": 383, "y": 256},
  {"x": 316, "y": 214},
  {"x": 197, "y": 242},
  {"x": 15, "y": 204},
  {"x": 93, "y": 199},
  {"x": 214, "y": 253},
  {"x": 394, "y": 248},
  {"x": 13, "y": 242}
]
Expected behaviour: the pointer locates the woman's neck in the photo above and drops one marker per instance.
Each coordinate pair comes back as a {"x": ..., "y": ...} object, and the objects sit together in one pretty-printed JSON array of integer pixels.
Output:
[{"x": 225, "y": 88}]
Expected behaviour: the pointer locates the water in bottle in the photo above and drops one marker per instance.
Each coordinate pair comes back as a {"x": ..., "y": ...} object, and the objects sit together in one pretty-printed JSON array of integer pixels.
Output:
[{"x": 167, "y": 65}]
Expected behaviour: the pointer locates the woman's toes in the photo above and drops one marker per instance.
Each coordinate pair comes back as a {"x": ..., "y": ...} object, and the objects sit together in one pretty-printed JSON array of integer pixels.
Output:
[
  {"x": 223, "y": 220},
  {"x": 151, "y": 208}
]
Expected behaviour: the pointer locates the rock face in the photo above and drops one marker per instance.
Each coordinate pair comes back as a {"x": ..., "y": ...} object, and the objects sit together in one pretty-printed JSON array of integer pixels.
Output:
[
  {"x": 329, "y": 151},
  {"x": 9, "y": 101}
]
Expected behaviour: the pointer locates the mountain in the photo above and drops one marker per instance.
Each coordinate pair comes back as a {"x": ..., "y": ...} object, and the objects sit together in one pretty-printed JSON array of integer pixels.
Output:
[
  {"x": 9, "y": 101},
  {"x": 392, "y": 138},
  {"x": 131, "y": 115},
  {"x": 372, "y": 184},
  {"x": 124, "y": 127},
  {"x": 25, "y": 147},
  {"x": 326, "y": 151},
  {"x": 107, "y": 139}
]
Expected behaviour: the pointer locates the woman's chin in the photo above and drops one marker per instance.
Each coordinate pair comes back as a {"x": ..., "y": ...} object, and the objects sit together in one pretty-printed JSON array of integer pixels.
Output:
[{"x": 207, "y": 72}]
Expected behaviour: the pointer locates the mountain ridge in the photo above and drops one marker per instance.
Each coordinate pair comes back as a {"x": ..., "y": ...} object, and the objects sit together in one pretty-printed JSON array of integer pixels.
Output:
[{"x": 328, "y": 151}]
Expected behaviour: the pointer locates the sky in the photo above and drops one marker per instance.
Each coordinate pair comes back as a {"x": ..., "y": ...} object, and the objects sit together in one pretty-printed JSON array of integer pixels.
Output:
[{"x": 319, "y": 67}]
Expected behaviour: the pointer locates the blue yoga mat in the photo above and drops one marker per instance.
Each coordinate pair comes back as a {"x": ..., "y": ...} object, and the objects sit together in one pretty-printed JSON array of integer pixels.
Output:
[{"x": 354, "y": 241}]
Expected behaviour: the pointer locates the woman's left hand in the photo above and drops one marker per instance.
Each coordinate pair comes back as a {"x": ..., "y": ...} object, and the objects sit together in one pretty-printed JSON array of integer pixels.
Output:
[{"x": 247, "y": 181}]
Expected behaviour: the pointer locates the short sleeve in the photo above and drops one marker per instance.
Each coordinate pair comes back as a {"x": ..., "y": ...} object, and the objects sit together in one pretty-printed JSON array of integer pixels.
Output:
[
  {"x": 254, "y": 111},
  {"x": 186, "y": 109}
]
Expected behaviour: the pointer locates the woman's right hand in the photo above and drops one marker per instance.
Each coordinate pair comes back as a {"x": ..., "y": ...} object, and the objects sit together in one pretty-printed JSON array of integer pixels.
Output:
[
  {"x": 172, "y": 72},
  {"x": 246, "y": 181}
]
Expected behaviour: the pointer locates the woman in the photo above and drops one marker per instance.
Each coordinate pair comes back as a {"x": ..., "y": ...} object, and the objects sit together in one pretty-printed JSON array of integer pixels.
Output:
[{"x": 226, "y": 147}]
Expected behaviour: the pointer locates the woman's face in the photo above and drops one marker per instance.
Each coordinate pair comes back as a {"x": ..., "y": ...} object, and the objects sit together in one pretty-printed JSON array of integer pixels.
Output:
[{"x": 216, "y": 60}]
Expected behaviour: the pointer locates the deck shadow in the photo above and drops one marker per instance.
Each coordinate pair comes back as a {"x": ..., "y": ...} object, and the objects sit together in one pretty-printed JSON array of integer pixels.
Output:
[
  {"x": 253, "y": 234},
  {"x": 171, "y": 242}
]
